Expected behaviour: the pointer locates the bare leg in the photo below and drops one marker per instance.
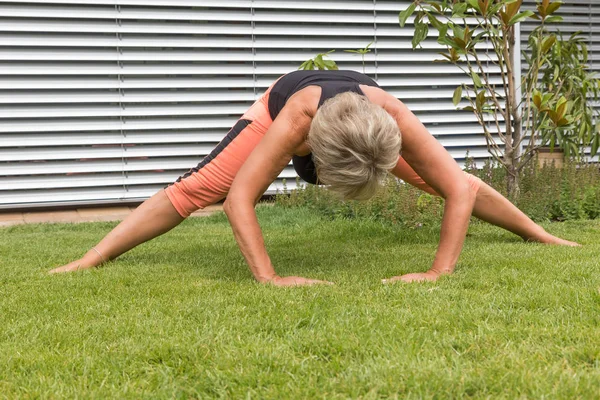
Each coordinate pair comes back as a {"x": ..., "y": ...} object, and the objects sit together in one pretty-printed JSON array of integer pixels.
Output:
[
  {"x": 492, "y": 207},
  {"x": 153, "y": 218}
]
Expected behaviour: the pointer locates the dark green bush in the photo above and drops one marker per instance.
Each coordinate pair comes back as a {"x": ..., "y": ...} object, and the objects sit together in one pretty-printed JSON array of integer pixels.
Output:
[{"x": 547, "y": 193}]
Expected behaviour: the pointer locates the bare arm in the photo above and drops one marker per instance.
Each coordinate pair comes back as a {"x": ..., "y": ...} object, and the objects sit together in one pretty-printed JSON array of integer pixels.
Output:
[
  {"x": 261, "y": 168},
  {"x": 439, "y": 170}
]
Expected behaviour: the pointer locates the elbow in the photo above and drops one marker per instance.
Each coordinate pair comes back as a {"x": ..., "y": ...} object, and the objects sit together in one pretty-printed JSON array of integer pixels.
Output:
[
  {"x": 235, "y": 203},
  {"x": 227, "y": 207}
]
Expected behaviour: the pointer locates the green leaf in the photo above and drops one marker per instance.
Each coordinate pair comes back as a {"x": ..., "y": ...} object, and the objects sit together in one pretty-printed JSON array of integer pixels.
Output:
[
  {"x": 443, "y": 32},
  {"x": 547, "y": 43},
  {"x": 595, "y": 144},
  {"x": 556, "y": 73},
  {"x": 480, "y": 100},
  {"x": 496, "y": 8},
  {"x": 553, "y": 7},
  {"x": 561, "y": 107},
  {"x": 520, "y": 17},
  {"x": 457, "y": 95},
  {"x": 445, "y": 56},
  {"x": 473, "y": 4},
  {"x": 554, "y": 18},
  {"x": 435, "y": 22},
  {"x": 537, "y": 99},
  {"x": 404, "y": 14},
  {"x": 330, "y": 64},
  {"x": 476, "y": 79},
  {"x": 319, "y": 62},
  {"x": 307, "y": 65},
  {"x": 448, "y": 42},
  {"x": 459, "y": 10},
  {"x": 458, "y": 32},
  {"x": 478, "y": 37},
  {"x": 421, "y": 31},
  {"x": 512, "y": 7}
]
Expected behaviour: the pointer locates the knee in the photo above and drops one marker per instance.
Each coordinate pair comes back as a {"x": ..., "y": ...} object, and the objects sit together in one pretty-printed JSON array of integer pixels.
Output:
[{"x": 474, "y": 182}]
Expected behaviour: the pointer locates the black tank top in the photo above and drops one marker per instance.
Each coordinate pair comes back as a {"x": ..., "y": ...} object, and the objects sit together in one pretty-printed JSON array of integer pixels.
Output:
[{"x": 331, "y": 83}]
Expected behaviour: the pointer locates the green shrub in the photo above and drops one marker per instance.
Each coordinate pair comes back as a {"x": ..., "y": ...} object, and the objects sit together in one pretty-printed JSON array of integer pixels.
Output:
[{"x": 547, "y": 193}]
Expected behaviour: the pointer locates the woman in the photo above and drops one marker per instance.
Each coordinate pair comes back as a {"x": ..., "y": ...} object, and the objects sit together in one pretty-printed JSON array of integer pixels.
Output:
[{"x": 338, "y": 127}]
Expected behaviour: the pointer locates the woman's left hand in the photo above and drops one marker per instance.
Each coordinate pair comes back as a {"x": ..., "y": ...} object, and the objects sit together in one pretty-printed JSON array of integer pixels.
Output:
[{"x": 429, "y": 276}]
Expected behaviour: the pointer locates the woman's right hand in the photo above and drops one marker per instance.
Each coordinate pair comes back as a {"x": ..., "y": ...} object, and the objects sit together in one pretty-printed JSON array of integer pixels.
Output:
[{"x": 296, "y": 281}]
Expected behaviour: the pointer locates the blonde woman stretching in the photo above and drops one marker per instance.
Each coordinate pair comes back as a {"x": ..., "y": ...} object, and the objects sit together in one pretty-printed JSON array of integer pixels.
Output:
[{"x": 340, "y": 128}]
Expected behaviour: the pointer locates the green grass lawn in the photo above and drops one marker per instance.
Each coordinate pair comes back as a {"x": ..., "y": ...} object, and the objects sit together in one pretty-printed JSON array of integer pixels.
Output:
[{"x": 182, "y": 317}]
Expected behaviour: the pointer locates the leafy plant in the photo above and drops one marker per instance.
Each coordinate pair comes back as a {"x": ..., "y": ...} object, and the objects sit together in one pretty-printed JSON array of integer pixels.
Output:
[
  {"x": 362, "y": 52},
  {"x": 545, "y": 113},
  {"x": 567, "y": 119},
  {"x": 319, "y": 62}
]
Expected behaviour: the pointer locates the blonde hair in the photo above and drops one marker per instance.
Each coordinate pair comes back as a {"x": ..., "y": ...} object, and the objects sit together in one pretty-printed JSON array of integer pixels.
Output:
[{"x": 354, "y": 144}]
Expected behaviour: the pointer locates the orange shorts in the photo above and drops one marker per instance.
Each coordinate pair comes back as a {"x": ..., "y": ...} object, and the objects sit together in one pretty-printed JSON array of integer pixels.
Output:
[{"x": 209, "y": 181}]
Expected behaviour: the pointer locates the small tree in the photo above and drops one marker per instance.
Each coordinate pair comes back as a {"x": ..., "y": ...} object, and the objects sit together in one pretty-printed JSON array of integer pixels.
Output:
[{"x": 542, "y": 115}]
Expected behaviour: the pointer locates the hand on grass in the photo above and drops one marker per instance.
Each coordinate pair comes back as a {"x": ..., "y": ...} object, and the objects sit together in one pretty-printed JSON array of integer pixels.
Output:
[
  {"x": 76, "y": 265},
  {"x": 429, "y": 276},
  {"x": 296, "y": 281}
]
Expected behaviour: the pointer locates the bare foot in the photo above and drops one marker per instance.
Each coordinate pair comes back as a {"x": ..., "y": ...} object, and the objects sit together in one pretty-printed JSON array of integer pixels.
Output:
[
  {"x": 76, "y": 265},
  {"x": 551, "y": 239}
]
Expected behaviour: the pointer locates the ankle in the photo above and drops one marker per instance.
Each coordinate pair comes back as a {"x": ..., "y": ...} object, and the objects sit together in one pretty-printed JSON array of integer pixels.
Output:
[{"x": 538, "y": 234}]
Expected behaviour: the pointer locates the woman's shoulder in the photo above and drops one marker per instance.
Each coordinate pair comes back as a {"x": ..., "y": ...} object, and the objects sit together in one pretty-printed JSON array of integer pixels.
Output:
[
  {"x": 377, "y": 95},
  {"x": 304, "y": 101},
  {"x": 387, "y": 101}
]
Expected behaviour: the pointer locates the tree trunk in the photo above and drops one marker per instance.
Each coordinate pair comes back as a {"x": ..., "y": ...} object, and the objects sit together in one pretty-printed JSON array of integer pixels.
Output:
[
  {"x": 512, "y": 184},
  {"x": 513, "y": 143}
]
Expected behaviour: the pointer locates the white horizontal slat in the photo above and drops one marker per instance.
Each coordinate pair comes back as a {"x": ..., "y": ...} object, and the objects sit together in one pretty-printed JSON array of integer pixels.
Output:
[
  {"x": 48, "y": 167},
  {"x": 114, "y": 124},
  {"x": 130, "y": 82},
  {"x": 125, "y": 27},
  {"x": 130, "y": 97},
  {"x": 76, "y": 139},
  {"x": 77, "y": 111},
  {"x": 103, "y": 152},
  {"x": 110, "y": 12}
]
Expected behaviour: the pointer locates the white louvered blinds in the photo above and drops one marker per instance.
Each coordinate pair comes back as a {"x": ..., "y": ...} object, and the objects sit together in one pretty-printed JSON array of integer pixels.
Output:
[{"x": 109, "y": 101}]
